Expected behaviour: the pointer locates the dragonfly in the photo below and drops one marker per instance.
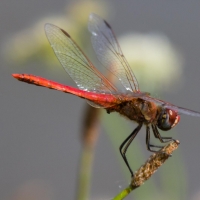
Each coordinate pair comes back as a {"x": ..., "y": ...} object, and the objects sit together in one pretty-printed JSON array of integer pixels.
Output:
[{"x": 123, "y": 97}]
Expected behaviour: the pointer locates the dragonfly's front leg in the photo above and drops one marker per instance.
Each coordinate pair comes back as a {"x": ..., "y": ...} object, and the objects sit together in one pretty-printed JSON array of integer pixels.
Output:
[
  {"x": 157, "y": 135},
  {"x": 148, "y": 141}
]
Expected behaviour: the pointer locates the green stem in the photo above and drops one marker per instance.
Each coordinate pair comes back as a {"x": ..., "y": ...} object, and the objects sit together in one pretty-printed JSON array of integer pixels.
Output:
[{"x": 124, "y": 193}]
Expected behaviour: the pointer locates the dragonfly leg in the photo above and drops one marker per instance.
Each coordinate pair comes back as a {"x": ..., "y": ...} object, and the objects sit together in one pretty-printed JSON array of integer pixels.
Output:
[
  {"x": 127, "y": 142},
  {"x": 148, "y": 141},
  {"x": 158, "y": 136}
]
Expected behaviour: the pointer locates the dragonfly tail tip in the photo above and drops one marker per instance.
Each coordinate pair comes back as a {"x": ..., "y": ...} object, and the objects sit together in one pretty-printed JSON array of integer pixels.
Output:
[{"x": 17, "y": 76}]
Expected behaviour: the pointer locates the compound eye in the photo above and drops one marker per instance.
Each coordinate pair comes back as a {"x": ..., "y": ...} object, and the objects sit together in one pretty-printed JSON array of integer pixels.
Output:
[{"x": 168, "y": 119}]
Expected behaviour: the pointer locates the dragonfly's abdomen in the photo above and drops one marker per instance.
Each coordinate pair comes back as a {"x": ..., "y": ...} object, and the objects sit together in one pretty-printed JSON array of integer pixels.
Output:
[{"x": 103, "y": 100}]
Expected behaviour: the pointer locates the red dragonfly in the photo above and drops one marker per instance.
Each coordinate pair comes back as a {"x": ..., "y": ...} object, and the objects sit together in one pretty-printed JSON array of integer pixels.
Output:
[{"x": 102, "y": 92}]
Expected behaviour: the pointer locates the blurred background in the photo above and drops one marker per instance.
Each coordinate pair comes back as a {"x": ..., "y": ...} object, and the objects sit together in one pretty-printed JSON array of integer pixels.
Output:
[{"x": 41, "y": 129}]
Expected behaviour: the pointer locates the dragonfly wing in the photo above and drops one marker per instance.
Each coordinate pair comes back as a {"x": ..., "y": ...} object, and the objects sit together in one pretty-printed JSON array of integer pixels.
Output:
[
  {"x": 181, "y": 110},
  {"x": 109, "y": 52},
  {"x": 164, "y": 104},
  {"x": 75, "y": 62}
]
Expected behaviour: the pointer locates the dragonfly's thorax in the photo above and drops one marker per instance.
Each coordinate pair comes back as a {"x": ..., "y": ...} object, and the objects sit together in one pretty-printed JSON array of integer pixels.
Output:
[{"x": 137, "y": 110}]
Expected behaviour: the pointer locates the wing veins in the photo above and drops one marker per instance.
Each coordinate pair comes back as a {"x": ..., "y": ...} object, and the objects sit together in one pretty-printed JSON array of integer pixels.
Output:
[
  {"x": 121, "y": 58},
  {"x": 87, "y": 75},
  {"x": 77, "y": 61},
  {"x": 69, "y": 48}
]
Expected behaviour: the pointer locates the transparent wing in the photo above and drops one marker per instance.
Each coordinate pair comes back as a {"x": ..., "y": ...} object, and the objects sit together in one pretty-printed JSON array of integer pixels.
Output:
[
  {"x": 164, "y": 104},
  {"x": 184, "y": 111},
  {"x": 109, "y": 52},
  {"x": 76, "y": 64}
]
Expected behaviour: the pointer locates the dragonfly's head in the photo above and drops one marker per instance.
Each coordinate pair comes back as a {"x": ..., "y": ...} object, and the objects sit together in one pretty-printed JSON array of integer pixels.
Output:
[{"x": 168, "y": 119}]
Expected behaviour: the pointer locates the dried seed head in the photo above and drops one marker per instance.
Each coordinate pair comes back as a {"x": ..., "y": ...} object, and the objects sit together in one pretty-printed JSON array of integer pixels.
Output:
[{"x": 153, "y": 163}]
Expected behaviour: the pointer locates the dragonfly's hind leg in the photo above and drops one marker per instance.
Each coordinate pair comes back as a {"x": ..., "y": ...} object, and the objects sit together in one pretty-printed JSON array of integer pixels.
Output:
[{"x": 127, "y": 142}]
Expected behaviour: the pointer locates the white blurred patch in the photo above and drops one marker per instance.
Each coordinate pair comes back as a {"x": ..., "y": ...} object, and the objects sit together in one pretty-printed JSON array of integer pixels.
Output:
[{"x": 154, "y": 60}]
